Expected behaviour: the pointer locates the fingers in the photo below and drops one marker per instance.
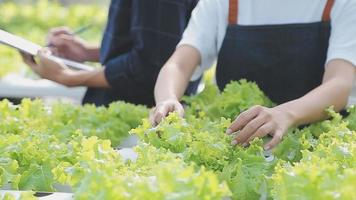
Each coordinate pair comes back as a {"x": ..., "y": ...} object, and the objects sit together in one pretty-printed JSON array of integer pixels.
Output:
[
  {"x": 261, "y": 132},
  {"x": 63, "y": 45},
  {"x": 43, "y": 55},
  {"x": 62, "y": 42},
  {"x": 258, "y": 122},
  {"x": 44, "y": 52},
  {"x": 54, "y": 51},
  {"x": 53, "y": 33},
  {"x": 250, "y": 129},
  {"x": 60, "y": 30},
  {"x": 243, "y": 119},
  {"x": 277, "y": 138},
  {"x": 48, "y": 63},
  {"x": 152, "y": 116},
  {"x": 179, "y": 109},
  {"x": 162, "y": 110},
  {"x": 28, "y": 60},
  {"x": 160, "y": 113}
]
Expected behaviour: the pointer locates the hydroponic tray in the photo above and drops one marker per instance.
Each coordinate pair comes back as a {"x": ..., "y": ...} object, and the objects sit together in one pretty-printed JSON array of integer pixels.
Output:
[{"x": 40, "y": 196}]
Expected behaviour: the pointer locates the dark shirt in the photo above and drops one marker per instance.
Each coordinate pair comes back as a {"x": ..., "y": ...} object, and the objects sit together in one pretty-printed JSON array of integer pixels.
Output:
[{"x": 139, "y": 38}]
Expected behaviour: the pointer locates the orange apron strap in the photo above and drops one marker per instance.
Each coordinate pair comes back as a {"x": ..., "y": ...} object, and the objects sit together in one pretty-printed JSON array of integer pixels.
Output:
[
  {"x": 327, "y": 10},
  {"x": 233, "y": 11}
]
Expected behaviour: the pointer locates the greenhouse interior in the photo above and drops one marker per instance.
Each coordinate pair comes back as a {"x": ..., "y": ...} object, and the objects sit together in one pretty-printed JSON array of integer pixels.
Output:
[{"x": 177, "y": 100}]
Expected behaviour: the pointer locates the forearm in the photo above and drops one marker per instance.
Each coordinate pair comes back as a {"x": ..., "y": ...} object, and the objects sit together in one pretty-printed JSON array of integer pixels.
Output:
[
  {"x": 174, "y": 77},
  {"x": 311, "y": 107},
  {"x": 334, "y": 91},
  {"x": 95, "y": 79},
  {"x": 93, "y": 53},
  {"x": 168, "y": 86}
]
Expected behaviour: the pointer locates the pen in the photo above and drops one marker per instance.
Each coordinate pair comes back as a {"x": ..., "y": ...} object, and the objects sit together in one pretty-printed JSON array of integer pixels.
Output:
[{"x": 82, "y": 29}]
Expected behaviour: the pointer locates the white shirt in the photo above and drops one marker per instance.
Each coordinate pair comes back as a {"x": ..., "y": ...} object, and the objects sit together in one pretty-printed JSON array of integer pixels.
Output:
[{"x": 209, "y": 21}]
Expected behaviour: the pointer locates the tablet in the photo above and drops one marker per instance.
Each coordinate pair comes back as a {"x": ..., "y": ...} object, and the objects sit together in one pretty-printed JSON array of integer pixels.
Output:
[{"x": 31, "y": 48}]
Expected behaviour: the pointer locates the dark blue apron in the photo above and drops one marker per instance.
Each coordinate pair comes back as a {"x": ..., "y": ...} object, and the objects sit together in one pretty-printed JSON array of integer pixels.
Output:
[{"x": 286, "y": 61}]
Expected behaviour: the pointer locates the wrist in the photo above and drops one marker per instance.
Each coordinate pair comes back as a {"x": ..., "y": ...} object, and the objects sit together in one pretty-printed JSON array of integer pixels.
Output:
[
  {"x": 166, "y": 99},
  {"x": 94, "y": 79},
  {"x": 92, "y": 53},
  {"x": 290, "y": 114},
  {"x": 69, "y": 78}
]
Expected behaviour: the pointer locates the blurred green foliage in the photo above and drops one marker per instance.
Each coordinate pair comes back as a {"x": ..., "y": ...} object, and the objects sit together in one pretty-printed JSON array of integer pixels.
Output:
[{"x": 33, "y": 21}]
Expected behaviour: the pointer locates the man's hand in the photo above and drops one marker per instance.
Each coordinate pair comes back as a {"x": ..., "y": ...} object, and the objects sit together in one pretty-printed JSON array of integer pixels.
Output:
[
  {"x": 65, "y": 44},
  {"x": 162, "y": 110},
  {"x": 258, "y": 122},
  {"x": 49, "y": 69}
]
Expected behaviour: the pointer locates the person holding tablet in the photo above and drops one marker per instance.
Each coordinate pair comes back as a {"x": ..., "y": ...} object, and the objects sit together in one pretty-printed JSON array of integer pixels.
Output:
[
  {"x": 139, "y": 37},
  {"x": 301, "y": 53}
]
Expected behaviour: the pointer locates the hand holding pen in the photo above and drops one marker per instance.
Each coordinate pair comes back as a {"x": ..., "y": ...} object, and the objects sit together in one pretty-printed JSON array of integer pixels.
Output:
[
  {"x": 67, "y": 31},
  {"x": 66, "y": 44}
]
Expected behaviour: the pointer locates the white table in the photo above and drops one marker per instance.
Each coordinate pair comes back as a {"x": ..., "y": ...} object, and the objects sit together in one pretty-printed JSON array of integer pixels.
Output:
[{"x": 16, "y": 86}]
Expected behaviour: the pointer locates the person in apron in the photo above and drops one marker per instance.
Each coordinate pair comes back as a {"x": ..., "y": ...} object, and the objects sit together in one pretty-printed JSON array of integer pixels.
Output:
[
  {"x": 139, "y": 37},
  {"x": 287, "y": 61}
]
